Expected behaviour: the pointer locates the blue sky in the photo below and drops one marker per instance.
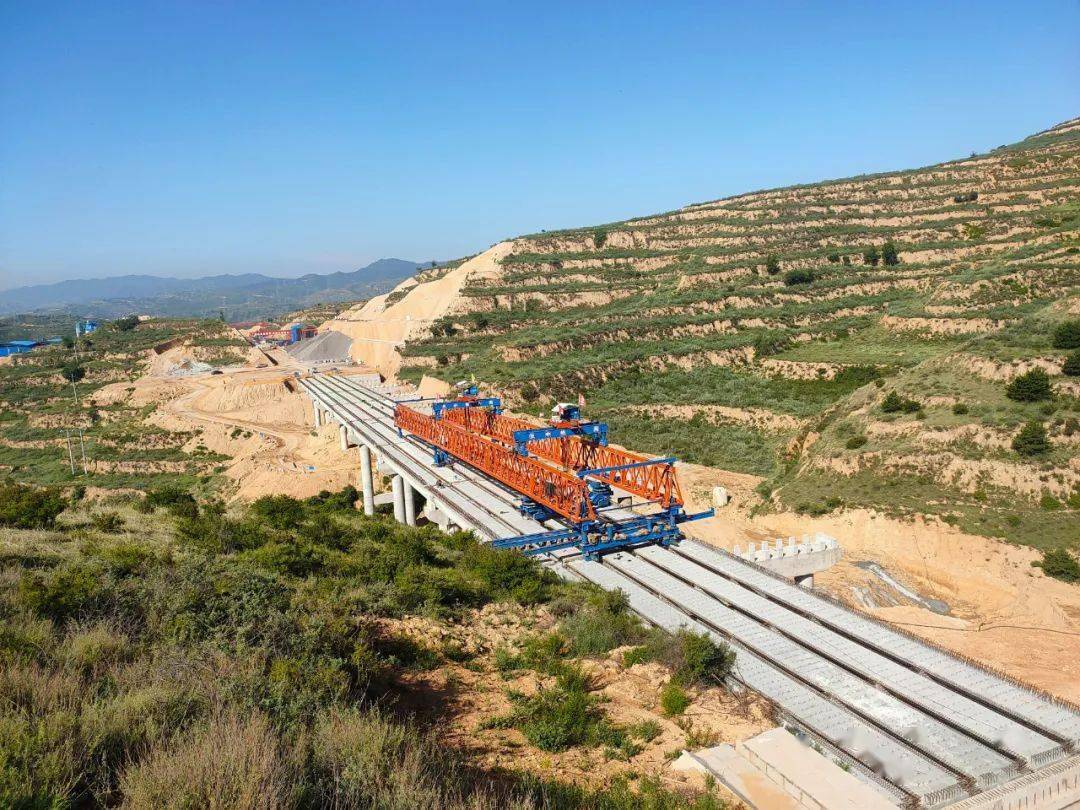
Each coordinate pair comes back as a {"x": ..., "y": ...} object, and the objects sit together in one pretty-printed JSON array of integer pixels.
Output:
[{"x": 190, "y": 138}]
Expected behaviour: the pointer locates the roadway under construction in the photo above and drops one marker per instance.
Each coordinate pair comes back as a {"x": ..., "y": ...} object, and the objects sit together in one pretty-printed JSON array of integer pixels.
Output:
[{"x": 922, "y": 725}]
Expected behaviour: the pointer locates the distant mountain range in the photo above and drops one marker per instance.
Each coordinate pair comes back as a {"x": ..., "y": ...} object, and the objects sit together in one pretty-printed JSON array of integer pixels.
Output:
[{"x": 241, "y": 297}]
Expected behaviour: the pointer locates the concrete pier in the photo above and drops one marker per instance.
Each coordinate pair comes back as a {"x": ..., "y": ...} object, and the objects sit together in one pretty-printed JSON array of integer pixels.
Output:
[
  {"x": 410, "y": 504},
  {"x": 318, "y": 416},
  {"x": 343, "y": 434},
  {"x": 367, "y": 486},
  {"x": 399, "y": 498}
]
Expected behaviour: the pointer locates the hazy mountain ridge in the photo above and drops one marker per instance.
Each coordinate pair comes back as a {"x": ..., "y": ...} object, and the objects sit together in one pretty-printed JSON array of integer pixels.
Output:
[{"x": 248, "y": 295}]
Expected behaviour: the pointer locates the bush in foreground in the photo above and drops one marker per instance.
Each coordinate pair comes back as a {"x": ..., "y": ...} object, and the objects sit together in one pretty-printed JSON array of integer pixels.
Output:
[{"x": 26, "y": 507}]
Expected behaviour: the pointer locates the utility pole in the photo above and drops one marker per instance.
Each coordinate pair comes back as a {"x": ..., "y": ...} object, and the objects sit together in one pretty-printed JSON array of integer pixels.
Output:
[
  {"x": 71, "y": 456},
  {"x": 82, "y": 445}
]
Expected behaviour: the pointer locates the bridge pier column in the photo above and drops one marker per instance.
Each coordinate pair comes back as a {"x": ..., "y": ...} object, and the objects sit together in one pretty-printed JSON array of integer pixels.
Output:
[
  {"x": 367, "y": 486},
  {"x": 399, "y": 498},
  {"x": 343, "y": 435},
  {"x": 318, "y": 414},
  {"x": 410, "y": 504}
]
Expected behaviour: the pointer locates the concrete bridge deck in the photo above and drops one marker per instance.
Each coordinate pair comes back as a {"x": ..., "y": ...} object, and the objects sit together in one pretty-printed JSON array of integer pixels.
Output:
[{"x": 919, "y": 724}]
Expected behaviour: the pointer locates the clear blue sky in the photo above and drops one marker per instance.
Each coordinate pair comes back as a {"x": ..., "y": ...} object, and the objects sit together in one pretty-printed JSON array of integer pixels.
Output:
[{"x": 188, "y": 138}]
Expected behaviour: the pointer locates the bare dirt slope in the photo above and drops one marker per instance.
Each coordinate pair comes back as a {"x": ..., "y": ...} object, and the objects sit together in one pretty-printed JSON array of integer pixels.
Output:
[
  {"x": 248, "y": 414},
  {"x": 382, "y": 325}
]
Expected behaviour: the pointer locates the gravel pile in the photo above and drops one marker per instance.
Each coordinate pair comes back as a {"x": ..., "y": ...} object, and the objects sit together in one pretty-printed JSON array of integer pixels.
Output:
[{"x": 327, "y": 347}]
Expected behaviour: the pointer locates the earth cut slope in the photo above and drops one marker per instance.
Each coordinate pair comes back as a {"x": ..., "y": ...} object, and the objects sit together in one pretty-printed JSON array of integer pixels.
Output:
[{"x": 382, "y": 325}]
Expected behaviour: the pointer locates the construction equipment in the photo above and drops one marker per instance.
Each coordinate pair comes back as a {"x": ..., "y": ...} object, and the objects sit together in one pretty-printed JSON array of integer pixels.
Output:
[{"x": 565, "y": 472}]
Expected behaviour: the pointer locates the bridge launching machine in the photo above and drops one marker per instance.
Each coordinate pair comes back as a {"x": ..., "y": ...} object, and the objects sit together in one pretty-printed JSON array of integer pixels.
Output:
[{"x": 565, "y": 472}]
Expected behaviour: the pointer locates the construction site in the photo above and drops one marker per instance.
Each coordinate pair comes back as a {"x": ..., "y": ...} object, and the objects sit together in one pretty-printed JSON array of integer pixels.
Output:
[{"x": 911, "y": 723}]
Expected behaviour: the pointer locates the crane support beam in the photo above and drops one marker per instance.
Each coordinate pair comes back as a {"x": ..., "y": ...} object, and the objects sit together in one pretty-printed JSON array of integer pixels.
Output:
[
  {"x": 652, "y": 479},
  {"x": 440, "y": 408},
  {"x": 564, "y": 494}
]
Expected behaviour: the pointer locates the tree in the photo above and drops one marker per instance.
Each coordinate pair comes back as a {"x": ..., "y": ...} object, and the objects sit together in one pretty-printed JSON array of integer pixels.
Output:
[
  {"x": 1032, "y": 386},
  {"x": 798, "y": 277},
  {"x": 772, "y": 264},
  {"x": 889, "y": 254},
  {"x": 1071, "y": 367},
  {"x": 126, "y": 324},
  {"x": 68, "y": 342},
  {"x": 1031, "y": 440},
  {"x": 871, "y": 256},
  {"x": 1067, "y": 335},
  {"x": 1058, "y": 563},
  {"x": 72, "y": 372}
]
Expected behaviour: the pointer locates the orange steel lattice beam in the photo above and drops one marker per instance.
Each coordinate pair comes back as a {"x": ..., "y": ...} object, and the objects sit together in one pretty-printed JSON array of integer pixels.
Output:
[
  {"x": 654, "y": 482},
  {"x": 562, "y": 493}
]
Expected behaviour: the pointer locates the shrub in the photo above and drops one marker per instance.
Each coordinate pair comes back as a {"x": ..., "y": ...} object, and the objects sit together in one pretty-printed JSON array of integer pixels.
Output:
[
  {"x": 673, "y": 699},
  {"x": 1032, "y": 386},
  {"x": 855, "y": 442},
  {"x": 599, "y": 238},
  {"x": 834, "y": 258},
  {"x": 894, "y": 403},
  {"x": 772, "y": 264},
  {"x": 889, "y": 254},
  {"x": 798, "y": 277},
  {"x": 960, "y": 409},
  {"x": 1060, "y": 564},
  {"x": 280, "y": 511},
  {"x": 233, "y": 762},
  {"x": 1071, "y": 366},
  {"x": 602, "y": 623},
  {"x": 1067, "y": 335},
  {"x": 703, "y": 660},
  {"x": 871, "y": 256},
  {"x": 1049, "y": 503},
  {"x": 179, "y": 502},
  {"x": 1031, "y": 440},
  {"x": 26, "y": 507},
  {"x": 61, "y": 594},
  {"x": 108, "y": 522}
]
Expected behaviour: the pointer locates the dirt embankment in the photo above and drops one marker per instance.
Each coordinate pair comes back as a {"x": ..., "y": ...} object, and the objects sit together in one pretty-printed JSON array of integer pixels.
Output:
[{"x": 383, "y": 324}]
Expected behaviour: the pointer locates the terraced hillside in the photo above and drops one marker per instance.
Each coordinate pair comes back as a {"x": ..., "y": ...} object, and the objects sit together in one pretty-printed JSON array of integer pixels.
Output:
[{"x": 763, "y": 333}]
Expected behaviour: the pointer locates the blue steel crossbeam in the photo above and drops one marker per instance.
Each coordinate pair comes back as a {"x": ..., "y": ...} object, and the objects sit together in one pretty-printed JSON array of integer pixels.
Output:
[
  {"x": 597, "y": 431},
  {"x": 596, "y": 537},
  {"x": 439, "y": 408}
]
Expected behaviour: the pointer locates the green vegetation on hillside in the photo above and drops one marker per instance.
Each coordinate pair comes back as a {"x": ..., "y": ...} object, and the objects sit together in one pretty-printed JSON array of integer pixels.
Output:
[
  {"x": 250, "y": 658},
  {"x": 953, "y": 285},
  {"x": 46, "y": 397}
]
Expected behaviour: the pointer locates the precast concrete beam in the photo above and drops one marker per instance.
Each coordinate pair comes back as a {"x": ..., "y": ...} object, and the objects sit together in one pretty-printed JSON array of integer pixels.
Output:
[
  {"x": 367, "y": 485},
  {"x": 399, "y": 498}
]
